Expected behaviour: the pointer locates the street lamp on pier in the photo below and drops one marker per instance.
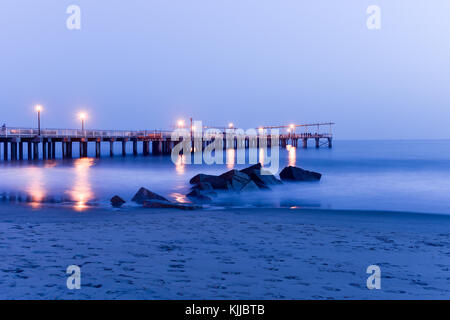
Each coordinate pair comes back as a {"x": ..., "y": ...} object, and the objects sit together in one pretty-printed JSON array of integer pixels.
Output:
[
  {"x": 82, "y": 117},
  {"x": 38, "y": 110}
]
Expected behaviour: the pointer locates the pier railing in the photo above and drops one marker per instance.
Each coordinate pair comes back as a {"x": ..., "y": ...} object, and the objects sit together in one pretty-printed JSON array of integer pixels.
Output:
[
  {"x": 78, "y": 133},
  {"x": 15, "y": 132}
]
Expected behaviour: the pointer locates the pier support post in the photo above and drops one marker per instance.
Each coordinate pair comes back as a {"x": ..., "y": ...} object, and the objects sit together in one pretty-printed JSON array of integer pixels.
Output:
[
  {"x": 13, "y": 150},
  {"x": 124, "y": 148},
  {"x": 135, "y": 152},
  {"x": 166, "y": 147},
  {"x": 305, "y": 143},
  {"x": 20, "y": 150},
  {"x": 44, "y": 149},
  {"x": 49, "y": 149},
  {"x": 156, "y": 147},
  {"x": 5, "y": 150},
  {"x": 36, "y": 150},
  {"x": 85, "y": 149},
  {"x": 111, "y": 148},
  {"x": 146, "y": 147},
  {"x": 330, "y": 143},
  {"x": 97, "y": 148},
  {"x": 69, "y": 149},
  {"x": 63, "y": 149},
  {"x": 81, "y": 148},
  {"x": 317, "y": 143},
  {"x": 29, "y": 152},
  {"x": 53, "y": 149}
]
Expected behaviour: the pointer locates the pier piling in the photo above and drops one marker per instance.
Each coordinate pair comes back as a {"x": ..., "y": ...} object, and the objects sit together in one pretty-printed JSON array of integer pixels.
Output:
[
  {"x": 97, "y": 149},
  {"x": 21, "y": 150},
  {"x": 111, "y": 148},
  {"x": 135, "y": 151}
]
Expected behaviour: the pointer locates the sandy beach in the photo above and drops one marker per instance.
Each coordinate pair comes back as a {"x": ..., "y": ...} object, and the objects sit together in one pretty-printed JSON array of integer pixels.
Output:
[{"x": 134, "y": 253}]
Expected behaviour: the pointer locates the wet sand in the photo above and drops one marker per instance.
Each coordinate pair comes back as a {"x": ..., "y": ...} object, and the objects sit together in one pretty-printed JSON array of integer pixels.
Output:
[{"x": 135, "y": 253}]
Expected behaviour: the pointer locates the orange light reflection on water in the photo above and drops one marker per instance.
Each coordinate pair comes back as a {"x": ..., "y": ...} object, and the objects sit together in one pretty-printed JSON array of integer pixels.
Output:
[
  {"x": 262, "y": 156},
  {"x": 180, "y": 165},
  {"x": 36, "y": 188},
  {"x": 178, "y": 197},
  {"x": 81, "y": 193},
  {"x": 231, "y": 154},
  {"x": 292, "y": 158}
]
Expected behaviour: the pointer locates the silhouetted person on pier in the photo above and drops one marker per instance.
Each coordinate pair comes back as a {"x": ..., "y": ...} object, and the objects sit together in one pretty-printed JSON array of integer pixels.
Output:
[{"x": 4, "y": 128}]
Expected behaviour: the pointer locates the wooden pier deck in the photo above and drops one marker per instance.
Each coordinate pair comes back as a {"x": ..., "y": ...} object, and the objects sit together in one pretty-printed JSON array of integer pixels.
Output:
[{"x": 42, "y": 144}]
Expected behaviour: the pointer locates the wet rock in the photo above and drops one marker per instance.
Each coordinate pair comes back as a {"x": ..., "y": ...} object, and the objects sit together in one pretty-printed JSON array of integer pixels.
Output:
[
  {"x": 145, "y": 194},
  {"x": 263, "y": 179},
  {"x": 160, "y": 204},
  {"x": 202, "y": 193},
  {"x": 215, "y": 181},
  {"x": 196, "y": 195},
  {"x": 235, "y": 179},
  {"x": 117, "y": 201},
  {"x": 298, "y": 174},
  {"x": 205, "y": 188},
  {"x": 250, "y": 186}
]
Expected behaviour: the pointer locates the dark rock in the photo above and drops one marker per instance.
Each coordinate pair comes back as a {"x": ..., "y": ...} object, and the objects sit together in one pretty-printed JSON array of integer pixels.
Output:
[
  {"x": 159, "y": 204},
  {"x": 117, "y": 201},
  {"x": 250, "y": 186},
  {"x": 235, "y": 179},
  {"x": 215, "y": 181},
  {"x": 145, "y": 194},
  {"x": 196, "y": 195},
  {"x": 263, "y": 179},
  {"x": 298, "y": 174},
  {"x": 202, "y": 193},
  {"x": 205, "y": 187}
]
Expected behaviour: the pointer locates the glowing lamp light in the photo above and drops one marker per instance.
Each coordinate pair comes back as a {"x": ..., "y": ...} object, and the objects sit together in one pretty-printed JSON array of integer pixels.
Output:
[
  {"x": 82, "y": 116},
  {"x": 180, "y": 123},
  {"x": 292, "y": 126},
  {"x": 38, "y": 108}
]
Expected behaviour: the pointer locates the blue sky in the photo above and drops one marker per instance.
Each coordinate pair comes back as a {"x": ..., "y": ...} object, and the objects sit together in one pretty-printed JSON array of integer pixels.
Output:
[{"x": 145, "y": 64}]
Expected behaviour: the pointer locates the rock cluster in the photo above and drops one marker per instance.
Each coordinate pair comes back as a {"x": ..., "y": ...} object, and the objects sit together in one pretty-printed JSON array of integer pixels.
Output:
[
  {"x": 205, "y": 187},
  {"x": 249, "y": 179}
]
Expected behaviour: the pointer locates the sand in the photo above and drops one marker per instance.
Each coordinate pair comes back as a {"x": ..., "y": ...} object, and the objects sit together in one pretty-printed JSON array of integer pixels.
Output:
[{"x": 135, "y": 253}]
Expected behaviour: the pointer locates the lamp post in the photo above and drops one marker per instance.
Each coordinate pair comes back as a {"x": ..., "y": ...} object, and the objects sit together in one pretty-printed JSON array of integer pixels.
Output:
[
  {"x": 38, "y": 109},
  {"x": 82, "y": 117}
]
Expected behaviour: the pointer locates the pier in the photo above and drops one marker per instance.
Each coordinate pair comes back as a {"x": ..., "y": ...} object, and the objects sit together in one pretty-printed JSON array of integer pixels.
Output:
[{"x": 42, "y": 143}]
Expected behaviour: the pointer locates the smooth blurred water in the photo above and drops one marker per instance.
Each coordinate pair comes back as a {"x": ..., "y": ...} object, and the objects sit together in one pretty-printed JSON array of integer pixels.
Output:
[{"x": 368, "y": 175}]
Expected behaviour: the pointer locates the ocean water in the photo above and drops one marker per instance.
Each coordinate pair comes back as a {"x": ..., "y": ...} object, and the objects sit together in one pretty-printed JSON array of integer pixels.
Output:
[{"x": 411, "y": 176}]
